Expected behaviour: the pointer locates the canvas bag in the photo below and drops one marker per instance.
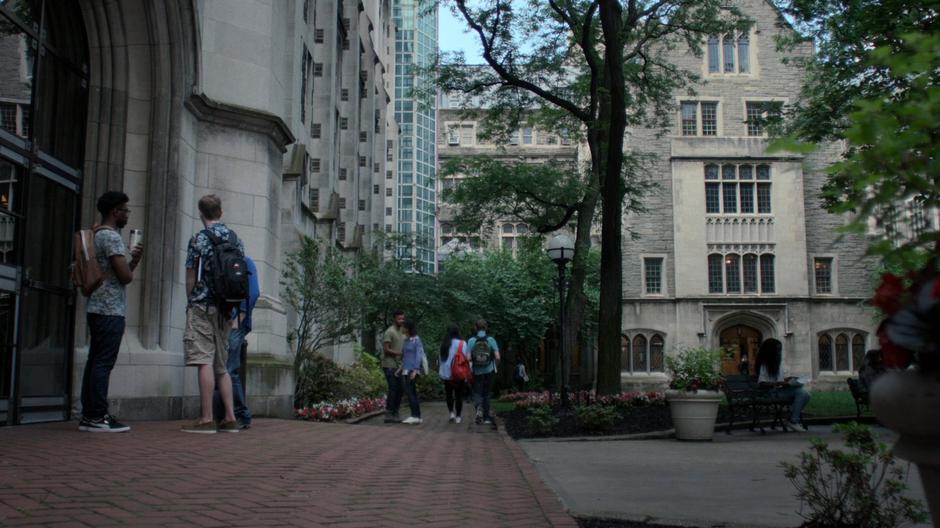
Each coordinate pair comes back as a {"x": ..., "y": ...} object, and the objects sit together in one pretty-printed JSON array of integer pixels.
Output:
[{"x": 86, "y": 273}]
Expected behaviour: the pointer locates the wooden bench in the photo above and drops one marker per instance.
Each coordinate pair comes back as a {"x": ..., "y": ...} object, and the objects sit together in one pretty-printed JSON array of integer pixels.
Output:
[
  {"x": 746, "y": 397},
  {"x": 860, "y": 396}
]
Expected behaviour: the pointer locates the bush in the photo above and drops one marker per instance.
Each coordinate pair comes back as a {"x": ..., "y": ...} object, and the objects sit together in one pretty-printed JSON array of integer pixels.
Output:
[
  {"x": 861, "y": 487},
  {"x": 430, "y": 386},
  {"x": 694, "y": 368},
  {"x": 320, "y": 379},
  {"x": 596, "y": 418},
  {"x": 541, "y": 420}
]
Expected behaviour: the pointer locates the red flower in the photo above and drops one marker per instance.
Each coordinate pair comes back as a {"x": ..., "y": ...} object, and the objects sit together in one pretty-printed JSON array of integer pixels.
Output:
[{"x": 888, "y": 296}]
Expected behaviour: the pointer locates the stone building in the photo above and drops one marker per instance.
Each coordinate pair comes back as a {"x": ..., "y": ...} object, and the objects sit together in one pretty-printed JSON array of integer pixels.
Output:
[
  {"x": 279, "y": 107},
  {"x": 736, "y": 247}
]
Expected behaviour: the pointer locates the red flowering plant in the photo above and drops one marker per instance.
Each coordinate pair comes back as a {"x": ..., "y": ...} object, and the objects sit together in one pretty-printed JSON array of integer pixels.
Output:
[{"x": 910, "y": 333}]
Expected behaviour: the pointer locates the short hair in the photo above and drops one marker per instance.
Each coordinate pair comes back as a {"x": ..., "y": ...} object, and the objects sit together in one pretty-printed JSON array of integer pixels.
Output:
[
  {"x": 210, "y": 206},
  {"x": 396, "y": 313},
  {"x": 411, "y": 327},
  {"x": 111, "y": 200},
  {"x": 481, "y": 325}
]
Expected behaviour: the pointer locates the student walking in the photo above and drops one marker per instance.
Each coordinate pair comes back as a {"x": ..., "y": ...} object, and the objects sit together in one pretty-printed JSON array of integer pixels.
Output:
[
  {"x": 454, "y": 389},
  {"x": 412, "y": 365},
  {"x": 392, "y": 342},
  {"x": 106, "y": 311},
  {"x": 484, "y": 355},
  {"x": 206, "y": 338}
]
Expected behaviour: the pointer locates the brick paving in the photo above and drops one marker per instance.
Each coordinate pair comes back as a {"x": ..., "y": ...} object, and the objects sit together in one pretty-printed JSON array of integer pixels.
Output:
[{"x": 279, "y": 473}]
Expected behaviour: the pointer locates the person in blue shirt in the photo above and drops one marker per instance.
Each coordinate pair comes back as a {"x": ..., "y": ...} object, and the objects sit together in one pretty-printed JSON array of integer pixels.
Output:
[
  {"x": 483, "y": 358},
  {"x": 412, "y": 366},
  {"x": 241, "y": 325}
]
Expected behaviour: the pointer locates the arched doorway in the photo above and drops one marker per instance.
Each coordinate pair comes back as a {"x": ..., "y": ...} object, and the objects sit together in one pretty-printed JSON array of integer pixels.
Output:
[
  {"x": 741, "y": 342},
  {"x": 43, "y": 105}
]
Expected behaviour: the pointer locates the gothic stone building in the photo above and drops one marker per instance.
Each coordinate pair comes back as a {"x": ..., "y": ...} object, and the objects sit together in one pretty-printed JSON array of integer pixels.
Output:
[
  {"x": 735, "y": 247},
  {"x": 281, "y": 108}
]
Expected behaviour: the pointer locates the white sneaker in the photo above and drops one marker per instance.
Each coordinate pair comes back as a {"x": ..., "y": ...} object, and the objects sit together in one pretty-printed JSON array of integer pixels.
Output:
[
  {"x": 796, "y": 427},
  {"x": 452, "y": 416},
  {"x": 411, "y": 420},
  {"x": 457, "y": 420}
]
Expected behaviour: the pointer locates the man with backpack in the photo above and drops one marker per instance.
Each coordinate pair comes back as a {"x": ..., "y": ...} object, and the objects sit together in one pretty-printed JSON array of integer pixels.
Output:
[
  {"x": 107, "y": 308},
  {"x": 484, "y": 355},
  {"x": 216, "y": 283}
]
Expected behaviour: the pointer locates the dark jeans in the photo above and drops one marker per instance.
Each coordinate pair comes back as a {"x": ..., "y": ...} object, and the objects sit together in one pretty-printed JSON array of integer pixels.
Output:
[
  {"x": 453, "y": 392},
  {"x": 411, "y": 389},
  {"x": 106, "y": 334},
  {"x": 236, "y": 340},
  {"x": 393, "y": 398},
  {"x": 482, "y": 388}
]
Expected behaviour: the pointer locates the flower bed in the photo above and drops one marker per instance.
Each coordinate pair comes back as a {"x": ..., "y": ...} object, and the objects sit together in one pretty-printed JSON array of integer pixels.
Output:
[
  {"x": 524, "y": 400},
  {"x": 340, "y": 410}
]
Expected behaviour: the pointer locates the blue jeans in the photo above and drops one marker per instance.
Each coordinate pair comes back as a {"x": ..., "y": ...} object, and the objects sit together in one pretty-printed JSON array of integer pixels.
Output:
[
  {"x": 411, "y": 388},
  {"x": 393, "y": 398},
  {"x": 236, "y": 339},
  {"x": 482, "y": 388},
  {"x": 106, "y": 334},
  {"x": 798, "y": 397}
]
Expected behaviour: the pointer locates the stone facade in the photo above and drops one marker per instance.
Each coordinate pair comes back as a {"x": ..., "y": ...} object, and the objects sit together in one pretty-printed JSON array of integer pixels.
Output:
[{"x": 761, "y": 280}]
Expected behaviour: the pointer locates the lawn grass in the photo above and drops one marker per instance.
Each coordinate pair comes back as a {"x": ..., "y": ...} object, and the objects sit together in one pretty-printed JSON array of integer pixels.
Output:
[
  {"x": 833, "y": 404},
  {"x": 501, "y": 406}
]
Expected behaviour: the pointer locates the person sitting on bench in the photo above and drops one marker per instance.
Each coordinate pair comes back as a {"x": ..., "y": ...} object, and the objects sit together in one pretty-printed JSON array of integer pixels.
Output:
[{"x": 783, "y": 388}]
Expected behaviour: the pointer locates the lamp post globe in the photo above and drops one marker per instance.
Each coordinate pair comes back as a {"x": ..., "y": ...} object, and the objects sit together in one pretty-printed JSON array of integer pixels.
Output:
[{"x": 561, "y": 250}]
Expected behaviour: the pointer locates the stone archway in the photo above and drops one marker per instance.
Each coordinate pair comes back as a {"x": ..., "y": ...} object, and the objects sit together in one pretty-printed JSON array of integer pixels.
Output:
[{"x": 741, "y": 333}]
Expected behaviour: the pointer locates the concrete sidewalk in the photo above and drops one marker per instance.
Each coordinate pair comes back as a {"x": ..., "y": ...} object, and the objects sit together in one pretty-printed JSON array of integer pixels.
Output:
[
  {"x": 734, "y": 481},
  {"x": 279, "y": 473}
]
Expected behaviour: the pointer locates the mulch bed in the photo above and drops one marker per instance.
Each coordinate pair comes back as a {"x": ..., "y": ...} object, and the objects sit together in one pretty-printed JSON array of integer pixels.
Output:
[{"x": 643, "y": 419}]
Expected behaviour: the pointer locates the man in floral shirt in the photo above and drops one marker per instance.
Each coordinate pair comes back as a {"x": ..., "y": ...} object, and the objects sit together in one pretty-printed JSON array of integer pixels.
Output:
[
  {"x": 107, "y": 307},
  {"x": 205, "y": 341}
]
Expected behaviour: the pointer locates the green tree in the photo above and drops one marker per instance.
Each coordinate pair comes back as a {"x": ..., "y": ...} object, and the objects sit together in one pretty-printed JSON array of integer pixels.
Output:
[{"x": 594, "y": 66}]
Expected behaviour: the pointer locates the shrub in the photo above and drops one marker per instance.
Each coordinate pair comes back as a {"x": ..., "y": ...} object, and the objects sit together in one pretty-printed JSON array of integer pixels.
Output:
[
  {"x": 363, "y": 379},
  {"x": 318, "y": 379},
  {"x": 861, "y": 487},
  {"x": 596, "y": 418},
  {"x": 695, "y": 368},
  {"x": 541, "y": 420},
  {"x": 430, "y": 386}
]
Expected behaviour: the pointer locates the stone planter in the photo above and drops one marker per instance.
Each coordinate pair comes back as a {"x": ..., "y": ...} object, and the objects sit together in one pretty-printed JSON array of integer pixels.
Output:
[
  {"x": 693, "y": 413},
  {"x": 909, "y": 404}
]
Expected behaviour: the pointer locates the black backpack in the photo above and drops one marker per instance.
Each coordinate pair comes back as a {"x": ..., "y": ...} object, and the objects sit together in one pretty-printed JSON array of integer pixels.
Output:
[
  {"x": 228, "y": 280},
  {"x": 481, "y": 355}
]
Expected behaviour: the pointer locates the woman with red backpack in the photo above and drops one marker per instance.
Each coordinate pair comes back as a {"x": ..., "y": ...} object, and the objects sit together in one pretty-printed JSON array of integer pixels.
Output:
[{"x": 454, "y": 371}]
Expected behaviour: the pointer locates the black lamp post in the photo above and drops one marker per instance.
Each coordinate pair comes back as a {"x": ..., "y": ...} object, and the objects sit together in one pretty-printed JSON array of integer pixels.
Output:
[{"x": 560, "y": 250}]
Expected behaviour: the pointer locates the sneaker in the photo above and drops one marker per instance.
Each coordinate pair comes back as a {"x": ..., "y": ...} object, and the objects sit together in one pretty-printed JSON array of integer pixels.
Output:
[
  {"x": 487, "y": 422},
  {"x": 796, "y": 427},
  {"x": 228, "y": 427},
  {"x": 457, "y": 420},
  {"x": 411, "y": 420},
  {"x": 452, "y": 417},
  {"x": 244, "y": 425},
  {"x": 197, "y": 427},
  {"x": 392, "y": 418},
  {"x": 105, "y": 424}
]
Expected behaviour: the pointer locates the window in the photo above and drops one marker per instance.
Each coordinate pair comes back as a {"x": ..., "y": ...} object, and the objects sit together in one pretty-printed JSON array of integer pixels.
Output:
[
  {"x": 691, "y": 125},
  {"x": 318, "y": 36},
  {"x": 314, "y": 198},
  {"x": 729, "y": 53},
  {"x": 759, "y": 114},
  {"x": 342, "y": 174},
  {"x": 342, "y": 203},
  {"x": 388, "y": 175},
  {"x": 514, "y": 137},
  {"x": 314, "y": 165},
  {"x": 343, "y": 123},
  {"x": 362, "y": 205},
  {"x": 375, "y": 189},
  {"x": 840, "y": 350},
  {"x": 737, "y": 191},
  {"x": 823, "y": 272},
  {"x": 735, "y": 274},
  {"x": 341, "y": 231},
  {"x": 526, "y": 136},
  {"x": 305, "y": 61},
  {"x": 315, "y": 130},
  {"x": 363, "y": 136},
  {"x": 344, "y": 94},
  {"x": 466, "y": 134},
  {"x": 388, "y": 191},
  {"x": 653, "y": 275},
  {"x": 8, "y": 117},
  {"x": 362, "y": 161},
  {"x": 388, "y": 211},
  {"x": 318, "y": 69},
  {"x": 642, "y": 355}
]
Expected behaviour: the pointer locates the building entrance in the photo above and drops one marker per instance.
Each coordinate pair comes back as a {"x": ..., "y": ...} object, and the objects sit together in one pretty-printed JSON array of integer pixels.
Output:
[
  {"x": 43, "y": 103},
  {"x": 741, "y": 342}
]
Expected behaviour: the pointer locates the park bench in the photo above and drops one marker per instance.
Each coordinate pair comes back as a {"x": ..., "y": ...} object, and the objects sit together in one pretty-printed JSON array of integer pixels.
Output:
[
  {"x": 859, "y": 395},
  {"x": 747, "y": 398}
]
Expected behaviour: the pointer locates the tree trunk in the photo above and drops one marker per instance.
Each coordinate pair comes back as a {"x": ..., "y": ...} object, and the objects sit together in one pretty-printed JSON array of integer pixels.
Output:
[
  {"x": 576, "y": 300},
  {"x": 611, "y": 307}
]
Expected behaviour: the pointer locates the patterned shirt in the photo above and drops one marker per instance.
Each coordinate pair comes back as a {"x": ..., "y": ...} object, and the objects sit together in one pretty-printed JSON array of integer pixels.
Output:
[
  {"x": 199, "y": 258},
  {"x": 111, "y": 297}
]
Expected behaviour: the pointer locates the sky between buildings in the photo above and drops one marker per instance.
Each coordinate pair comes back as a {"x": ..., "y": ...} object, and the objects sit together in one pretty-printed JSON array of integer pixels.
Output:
[{"x": 453, "y": 36}]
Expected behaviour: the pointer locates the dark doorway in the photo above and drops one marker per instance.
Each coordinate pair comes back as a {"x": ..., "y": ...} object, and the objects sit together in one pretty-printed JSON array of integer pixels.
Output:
[
  {"x": 43, "y": 105},
  {"x": 741, "y": 342}
]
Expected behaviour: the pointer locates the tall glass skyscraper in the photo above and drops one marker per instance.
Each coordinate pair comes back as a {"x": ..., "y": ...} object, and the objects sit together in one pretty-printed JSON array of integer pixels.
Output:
[{"x": 415, "y": 111}]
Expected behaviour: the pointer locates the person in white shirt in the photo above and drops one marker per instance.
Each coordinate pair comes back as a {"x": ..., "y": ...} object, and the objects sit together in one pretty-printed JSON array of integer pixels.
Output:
[{"x": 770, "y": 375}]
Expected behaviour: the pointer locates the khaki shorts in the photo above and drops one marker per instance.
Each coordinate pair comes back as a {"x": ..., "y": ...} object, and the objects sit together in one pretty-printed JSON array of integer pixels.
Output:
[{"x": 205, "y": 341}]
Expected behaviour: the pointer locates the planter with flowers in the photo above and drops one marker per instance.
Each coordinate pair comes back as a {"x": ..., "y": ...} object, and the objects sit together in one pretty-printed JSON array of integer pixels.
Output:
[
  {"x": 907, "y": 397},
  {"x": 693, "y": 394}
]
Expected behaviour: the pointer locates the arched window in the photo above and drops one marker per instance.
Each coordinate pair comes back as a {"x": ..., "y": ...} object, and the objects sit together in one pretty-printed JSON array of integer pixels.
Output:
[
  {"x": 714, "y": 60},
  {"x": 767, "y": 281},
  {"x": 624, "y": 353},
  {"x": 858, "y": 351},
  {"x": 825, "y": 353},
  {"x": 842, "y": 352},
  {"x": 728, "y": 55},
  {"x": 750, "y": 273},
  {"x": 712, "y": 190},
  {"x": 744, "y": 50},
  {"x": 715, "y": 279},
  {"x": 656, "y": 353},
  {"x": 639, "y": 353},
  {"x": 733, "y": 273}
]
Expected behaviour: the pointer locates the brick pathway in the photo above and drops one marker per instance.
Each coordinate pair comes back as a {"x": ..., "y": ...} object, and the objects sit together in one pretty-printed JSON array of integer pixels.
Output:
[{"x": 280, "y": 473}]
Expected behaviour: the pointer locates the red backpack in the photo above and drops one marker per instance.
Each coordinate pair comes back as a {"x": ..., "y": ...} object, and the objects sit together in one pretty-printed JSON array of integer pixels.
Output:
[{"x": 460, "y": 367}]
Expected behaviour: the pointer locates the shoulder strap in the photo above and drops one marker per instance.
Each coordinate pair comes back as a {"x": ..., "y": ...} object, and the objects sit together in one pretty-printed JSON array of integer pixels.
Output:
[
  {"x": 460, "y": 347},
  {"x": 212, "y": 237}
]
